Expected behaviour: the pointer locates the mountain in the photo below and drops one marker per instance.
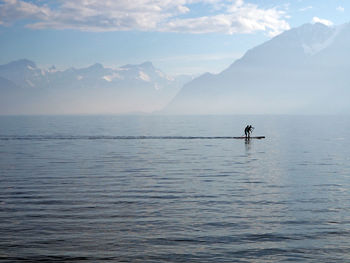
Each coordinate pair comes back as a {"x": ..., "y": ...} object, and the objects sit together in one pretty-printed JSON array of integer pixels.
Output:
[
  {"x": 303, "y": 70},
  {"x": 24, "y": 73},
  {"x": 27, "y": 89},
  {"x": 6, "y": 84}
]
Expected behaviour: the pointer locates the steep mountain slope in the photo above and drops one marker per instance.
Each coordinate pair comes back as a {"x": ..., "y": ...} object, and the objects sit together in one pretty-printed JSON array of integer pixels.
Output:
[{"x": 303, "y": 70}]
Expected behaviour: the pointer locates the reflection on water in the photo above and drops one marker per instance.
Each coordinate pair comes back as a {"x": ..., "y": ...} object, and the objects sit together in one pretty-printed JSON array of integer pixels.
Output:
[
  {"x": 247, "y": 143},
  {"x": 281, "y": 199}
]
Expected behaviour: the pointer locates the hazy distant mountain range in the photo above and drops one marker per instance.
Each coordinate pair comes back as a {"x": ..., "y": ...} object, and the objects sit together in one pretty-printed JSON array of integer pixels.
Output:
[
  {"x": 303, "y": 70},
  {"x": 27, "y": 89}
]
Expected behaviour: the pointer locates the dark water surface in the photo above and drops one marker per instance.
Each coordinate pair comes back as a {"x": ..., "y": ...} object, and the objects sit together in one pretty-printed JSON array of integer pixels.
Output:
[{"x": 72, "y": 190}]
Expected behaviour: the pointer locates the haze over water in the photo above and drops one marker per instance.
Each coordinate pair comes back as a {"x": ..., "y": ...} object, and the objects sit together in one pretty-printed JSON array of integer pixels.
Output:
[{"x": 71, "y": 191}]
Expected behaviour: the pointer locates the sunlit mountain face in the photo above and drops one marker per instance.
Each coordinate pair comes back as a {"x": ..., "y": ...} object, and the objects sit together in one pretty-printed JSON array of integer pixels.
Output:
[{"x": 303, "y": 70}]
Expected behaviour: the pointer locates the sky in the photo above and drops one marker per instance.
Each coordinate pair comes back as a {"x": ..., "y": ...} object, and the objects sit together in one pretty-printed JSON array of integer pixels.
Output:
[{"x": 177, "y": 36}]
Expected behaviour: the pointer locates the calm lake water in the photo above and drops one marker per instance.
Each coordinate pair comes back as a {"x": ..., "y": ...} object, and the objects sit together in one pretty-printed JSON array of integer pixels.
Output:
[{"x": 82, "y": 189}]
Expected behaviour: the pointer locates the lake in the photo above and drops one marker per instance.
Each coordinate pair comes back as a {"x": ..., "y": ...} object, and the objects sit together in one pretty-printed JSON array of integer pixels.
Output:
[{"x": 141, "y": 189}]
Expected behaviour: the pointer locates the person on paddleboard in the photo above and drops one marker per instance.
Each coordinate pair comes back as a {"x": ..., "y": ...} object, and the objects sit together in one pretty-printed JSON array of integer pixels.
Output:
[{"x": 248, "y": 130}]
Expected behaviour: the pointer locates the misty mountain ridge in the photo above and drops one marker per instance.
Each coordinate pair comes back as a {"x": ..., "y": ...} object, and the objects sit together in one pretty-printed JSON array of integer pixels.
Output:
[
  {"x": 144, "y": 72},
  {"x": 303, "y": 70},
  {"x": 93, "y": 89}
]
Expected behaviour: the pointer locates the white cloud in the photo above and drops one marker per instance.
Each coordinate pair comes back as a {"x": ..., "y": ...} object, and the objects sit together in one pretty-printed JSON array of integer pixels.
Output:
[
  {"x": 322, "y": 21},
  {"x": 12, "y": 10},
  {"x": 225, "y": 16},
  {"x": 240, "y": 18},
  {"x": 305, "y": 8},
  {"x": 340, "y": 9}
]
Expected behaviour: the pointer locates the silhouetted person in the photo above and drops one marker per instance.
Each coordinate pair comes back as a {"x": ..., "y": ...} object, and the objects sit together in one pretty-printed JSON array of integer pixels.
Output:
[{"x": 246, "y": 131}]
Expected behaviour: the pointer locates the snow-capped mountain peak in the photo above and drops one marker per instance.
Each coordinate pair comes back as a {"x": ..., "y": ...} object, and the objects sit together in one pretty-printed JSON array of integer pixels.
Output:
[
  {"x": 78, "y": 89},
  {"x": 322, "y": 36},
  {"x": 302, "y": 70}
]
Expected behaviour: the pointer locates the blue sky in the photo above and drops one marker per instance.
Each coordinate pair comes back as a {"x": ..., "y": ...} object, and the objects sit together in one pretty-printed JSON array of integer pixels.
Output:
[{"x": 178, "y": 36}]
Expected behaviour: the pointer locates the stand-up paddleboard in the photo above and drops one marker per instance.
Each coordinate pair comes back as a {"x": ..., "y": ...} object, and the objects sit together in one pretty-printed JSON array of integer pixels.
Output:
[{"x": 251, "y": 137}]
